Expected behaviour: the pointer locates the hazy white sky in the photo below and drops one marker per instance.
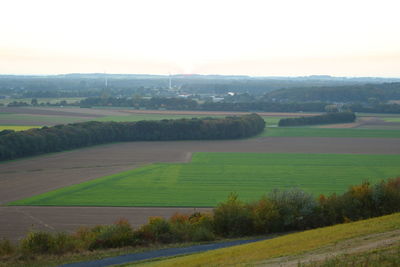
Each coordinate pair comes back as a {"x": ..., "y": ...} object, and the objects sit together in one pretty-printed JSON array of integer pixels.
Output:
[{"x": 277, "y": 37}]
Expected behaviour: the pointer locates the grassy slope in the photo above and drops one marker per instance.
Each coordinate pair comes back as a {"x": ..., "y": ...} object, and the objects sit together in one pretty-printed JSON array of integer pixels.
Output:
[
  {"x": 210, "y": 177},
  {"x": 329, "y": 132},
  {"x": 291, "y": 244}
]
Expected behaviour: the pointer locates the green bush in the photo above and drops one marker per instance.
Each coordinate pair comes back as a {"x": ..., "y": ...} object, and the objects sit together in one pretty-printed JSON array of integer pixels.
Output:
[
  {"x": 232, "y": 218},
  {"x": 6, "y": 248},
  {"x": 37, "y": 243},
  {"x": 386, "y": 196},
  {"x": 119, "y": 234},
  {"x": 296, "y": 208},
  {"x": 63, "y": 243},
  {"x": 157, "y": 230}
]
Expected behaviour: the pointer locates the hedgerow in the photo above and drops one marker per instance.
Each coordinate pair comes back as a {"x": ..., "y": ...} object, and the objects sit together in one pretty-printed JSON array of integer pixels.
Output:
[{"x": 278, "y": 211}]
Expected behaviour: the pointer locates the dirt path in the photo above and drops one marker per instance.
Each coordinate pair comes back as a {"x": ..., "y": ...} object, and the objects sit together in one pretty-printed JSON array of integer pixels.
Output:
[{"x": 350, "y": 246}]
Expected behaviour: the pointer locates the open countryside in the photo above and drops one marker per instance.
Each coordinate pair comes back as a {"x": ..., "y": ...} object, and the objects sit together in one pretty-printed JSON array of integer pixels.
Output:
[
  {"x": 209, "y": 178},
  {"x": 262, "y": 133}
]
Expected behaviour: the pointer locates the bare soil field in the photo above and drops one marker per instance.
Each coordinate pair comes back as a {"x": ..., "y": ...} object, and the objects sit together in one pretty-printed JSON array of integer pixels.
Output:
[
  {"x": 97, "y": 112},
  {"x": 16, "y": 222},
  {"x": 26, "y": 177},
  {"x": 51, "y": 112},
  {"x": 366, "y": 123}
]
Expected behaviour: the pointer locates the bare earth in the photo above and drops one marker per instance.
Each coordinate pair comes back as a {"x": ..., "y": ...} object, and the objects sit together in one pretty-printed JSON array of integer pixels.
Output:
[{"x": 35, "y": 175}]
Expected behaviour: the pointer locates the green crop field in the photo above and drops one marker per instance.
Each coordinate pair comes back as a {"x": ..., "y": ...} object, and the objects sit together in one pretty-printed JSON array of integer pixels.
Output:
[
  {"x": 17, "y": 127},
  {"x": 329, "y": 132},
  {"x": 210, "y": 177}
]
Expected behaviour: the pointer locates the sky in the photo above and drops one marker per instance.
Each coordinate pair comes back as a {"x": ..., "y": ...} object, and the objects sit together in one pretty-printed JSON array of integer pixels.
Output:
[{"x": 257, "y": 38}]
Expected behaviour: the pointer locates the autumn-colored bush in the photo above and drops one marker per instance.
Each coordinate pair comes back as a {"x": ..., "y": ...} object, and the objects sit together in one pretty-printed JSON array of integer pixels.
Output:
[{"x": 265, "y": 215}]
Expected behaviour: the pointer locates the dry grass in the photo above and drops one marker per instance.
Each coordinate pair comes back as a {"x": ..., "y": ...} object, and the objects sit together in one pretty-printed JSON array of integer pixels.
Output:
[{"x": 293, "y": 244}]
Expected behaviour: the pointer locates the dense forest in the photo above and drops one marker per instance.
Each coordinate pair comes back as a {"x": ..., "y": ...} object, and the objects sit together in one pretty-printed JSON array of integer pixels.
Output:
[
  {"x": 337, "y": 117},
  {"x": 63, "y": 137}
]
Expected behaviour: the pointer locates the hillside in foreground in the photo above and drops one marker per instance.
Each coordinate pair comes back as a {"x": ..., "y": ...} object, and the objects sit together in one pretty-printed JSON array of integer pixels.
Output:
[{"x": 376, "y": 241}]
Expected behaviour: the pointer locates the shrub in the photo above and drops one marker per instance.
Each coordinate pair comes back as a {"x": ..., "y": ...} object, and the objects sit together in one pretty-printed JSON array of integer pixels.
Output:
[
  {"x": 181, "y": 228},
  {"x": 63, "y": 243},
  {"x": 358, "y": 202},
  {"x": 232, "y": 218},
  {"x": 202, "y": 233},
  {"x": 330, "y": 210},
  {"x": 37, "y": 243},
  {"x": 386, "y": 196},
  {"x": 6, "y": 248},
  {"x": 119, "y": 234},
  {"x": 265, "y": 216},
  {"x": 85, "y": 238},
  {"x": 157, "y": 230},
  {"x": 297, "y": 209}
]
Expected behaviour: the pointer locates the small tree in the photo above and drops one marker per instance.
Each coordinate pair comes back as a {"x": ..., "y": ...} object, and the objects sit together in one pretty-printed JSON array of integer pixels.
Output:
[{"x": 232, "y": 218}]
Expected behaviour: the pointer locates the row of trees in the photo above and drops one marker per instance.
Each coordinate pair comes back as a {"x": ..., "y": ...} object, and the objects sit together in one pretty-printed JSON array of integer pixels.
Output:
[
  {"x": 227, "y": 105},
  {"x": 148, "y": 103},
  {"x": 278, "y": 211},
  {"x": 339, "y": 117},
  {"x": 190, "y": 104},
  {"x": 62, "y": 137}
]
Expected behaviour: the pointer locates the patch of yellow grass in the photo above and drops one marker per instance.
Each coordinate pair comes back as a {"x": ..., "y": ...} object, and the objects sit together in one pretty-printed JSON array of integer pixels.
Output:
[
  {"x": 17, "y": 127},
  {"x": 291, "y": 244}
]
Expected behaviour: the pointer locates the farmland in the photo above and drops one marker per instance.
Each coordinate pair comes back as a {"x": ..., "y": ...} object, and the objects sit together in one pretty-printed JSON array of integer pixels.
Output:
[
  {"x": 329, "y": 132},
  {"x": 210, "y": 177},
  {"x": 32, "y": 176}
]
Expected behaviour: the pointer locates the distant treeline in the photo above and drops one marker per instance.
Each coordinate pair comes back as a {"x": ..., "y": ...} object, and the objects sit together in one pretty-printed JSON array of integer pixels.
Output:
[
  {"x": 336, "y": 117},
  {"x": 189, "y": 104},
  {"x": 367, "y": 93},
  {"x": 252, "y": 106},
  {"x": 63, "y": 137},
  {"x": 148, "y": 103}
]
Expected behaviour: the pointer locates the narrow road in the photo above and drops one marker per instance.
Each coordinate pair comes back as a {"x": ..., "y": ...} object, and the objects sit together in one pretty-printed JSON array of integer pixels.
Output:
[{"x": 169, "y": 252}]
